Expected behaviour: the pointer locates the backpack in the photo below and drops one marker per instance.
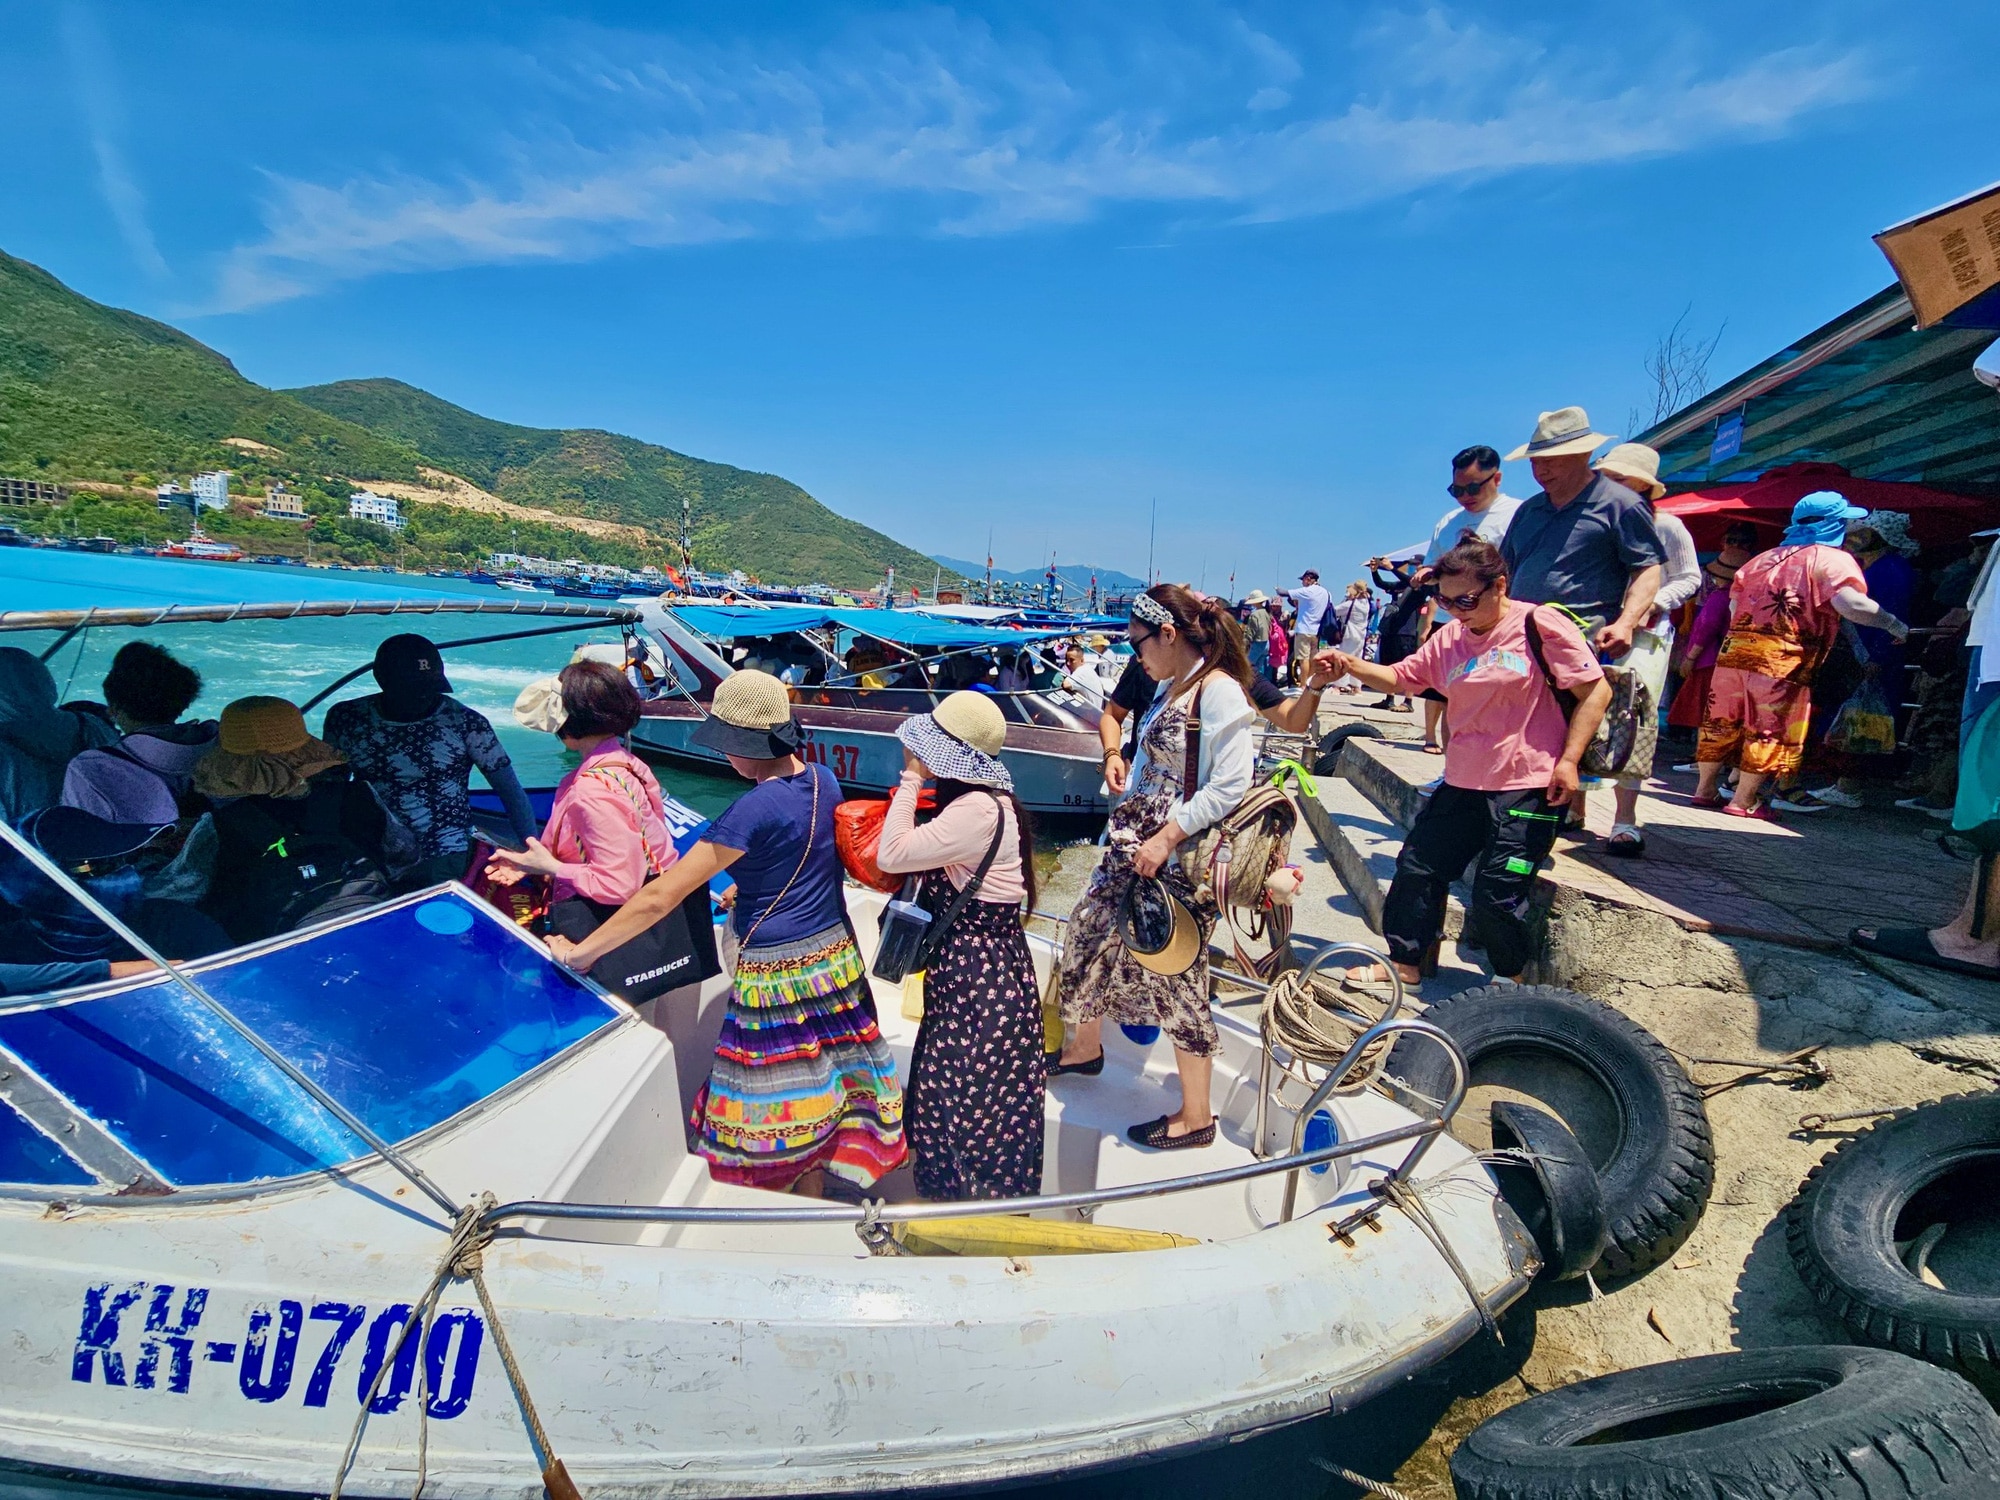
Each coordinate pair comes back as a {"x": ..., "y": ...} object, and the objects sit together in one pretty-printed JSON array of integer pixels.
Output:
[
  {"x": 1631, "y": 721},
  {"x": 1230, "y": 861},
  {"x": 306, "y": 872}
]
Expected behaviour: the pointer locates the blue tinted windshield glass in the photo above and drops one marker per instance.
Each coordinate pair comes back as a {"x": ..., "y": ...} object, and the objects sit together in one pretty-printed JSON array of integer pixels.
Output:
[
  {"x": 406, "y": 1016},
  {"x": 27, "y": 1156}
]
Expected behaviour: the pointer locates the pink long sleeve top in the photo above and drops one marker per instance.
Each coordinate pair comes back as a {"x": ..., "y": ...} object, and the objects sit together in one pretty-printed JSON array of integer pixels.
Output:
[
  {"x": 606, "y": 818},
  {"x": 955, "y": 840}
]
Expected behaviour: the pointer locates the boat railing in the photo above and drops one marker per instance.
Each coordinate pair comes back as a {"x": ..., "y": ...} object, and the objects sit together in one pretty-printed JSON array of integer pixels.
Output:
[{"x": 1420, "y": 1132}]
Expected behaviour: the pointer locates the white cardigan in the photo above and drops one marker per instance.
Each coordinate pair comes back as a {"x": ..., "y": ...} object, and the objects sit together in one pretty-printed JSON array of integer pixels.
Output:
[{"x": 1228, "y": 753}]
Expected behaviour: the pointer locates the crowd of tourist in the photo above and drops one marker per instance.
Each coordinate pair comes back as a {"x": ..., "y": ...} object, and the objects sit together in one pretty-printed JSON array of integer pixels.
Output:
[{"x": 1523, "y": 625}]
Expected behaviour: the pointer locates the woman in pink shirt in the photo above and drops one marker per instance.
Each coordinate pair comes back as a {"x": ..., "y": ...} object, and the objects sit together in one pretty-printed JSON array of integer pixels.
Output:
[
  {"x": 607, "y": 830},
  {"x": 1509, "y": 766},
  {"x": 974, "y": 1105}
]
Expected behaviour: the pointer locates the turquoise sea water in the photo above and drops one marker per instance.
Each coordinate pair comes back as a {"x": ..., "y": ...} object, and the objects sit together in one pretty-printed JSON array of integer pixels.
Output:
[{"x": 297, "y": 658}]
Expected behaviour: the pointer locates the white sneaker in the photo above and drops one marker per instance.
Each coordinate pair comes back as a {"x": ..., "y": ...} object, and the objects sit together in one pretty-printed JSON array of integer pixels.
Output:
[
  {"x": 1833, "y": 796},
  {"x": 1690, "y": 769},
  {"x": 1917, "y": 804},
  {"x": 1785, "y": 804}
]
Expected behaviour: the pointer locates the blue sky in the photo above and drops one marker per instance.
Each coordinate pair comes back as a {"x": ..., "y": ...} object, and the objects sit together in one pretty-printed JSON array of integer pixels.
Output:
[{"x": 1033, "y": 267}]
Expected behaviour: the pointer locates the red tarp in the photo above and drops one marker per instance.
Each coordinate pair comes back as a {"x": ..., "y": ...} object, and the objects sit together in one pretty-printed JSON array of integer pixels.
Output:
[{"x": 1935, "y": 515}]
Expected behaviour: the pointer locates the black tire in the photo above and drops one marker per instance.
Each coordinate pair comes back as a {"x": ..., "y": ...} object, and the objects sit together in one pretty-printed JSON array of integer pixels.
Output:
[
  {"x": 1888, "y": 1184},
  {"x": 1651, "y": 1145},
  {"x": 1555, "y": 1193},
  {"x": 1327, "y": 756},
  {"x": 1816, "y": 1423}
]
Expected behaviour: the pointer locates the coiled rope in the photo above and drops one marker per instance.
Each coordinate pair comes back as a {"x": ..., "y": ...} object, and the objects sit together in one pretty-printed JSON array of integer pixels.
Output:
[
  {"x": 1314, "y": 1021},
  {"x": 463, "y": 1260}
]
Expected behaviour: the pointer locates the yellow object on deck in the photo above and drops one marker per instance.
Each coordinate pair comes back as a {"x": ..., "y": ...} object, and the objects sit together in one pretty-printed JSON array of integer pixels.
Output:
[{"x": 1010, "y": 1234}]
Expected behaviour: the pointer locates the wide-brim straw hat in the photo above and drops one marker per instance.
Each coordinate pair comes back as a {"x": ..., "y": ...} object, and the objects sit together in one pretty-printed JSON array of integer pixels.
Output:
[
  {"x": 1564, "y": 430},
  {"x": 750, "y": 716},
  {"x": 961, "y": 740},
  {"x": 262, "y": 749},
  {"x": 1256, "y": 596},
  {"x": 1635, "y": 466},
  {"x": 1158, "y": 928}
]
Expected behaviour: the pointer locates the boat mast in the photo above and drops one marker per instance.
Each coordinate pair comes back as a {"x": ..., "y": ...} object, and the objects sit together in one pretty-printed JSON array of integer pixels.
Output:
[{"x": 687, "y": 545}]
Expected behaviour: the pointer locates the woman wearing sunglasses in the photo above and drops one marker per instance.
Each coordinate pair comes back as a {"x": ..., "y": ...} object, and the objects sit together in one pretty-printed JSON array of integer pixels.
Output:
[
  {"x": 1510, "y": 766},
  {"x": 1193, "y": 650}
]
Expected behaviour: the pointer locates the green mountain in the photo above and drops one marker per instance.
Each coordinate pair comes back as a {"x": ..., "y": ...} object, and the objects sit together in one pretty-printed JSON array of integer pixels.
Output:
[
  {"x": 91, "y": 392},
  {"x": 92, "y": 395},
  {"x": 765, "y": 525}
]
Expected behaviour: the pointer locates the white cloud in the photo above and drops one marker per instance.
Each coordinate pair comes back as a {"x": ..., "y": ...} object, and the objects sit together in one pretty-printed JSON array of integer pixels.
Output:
[
  {"x": 98, "y": 92},
  {"x": 939, "y": 126}
]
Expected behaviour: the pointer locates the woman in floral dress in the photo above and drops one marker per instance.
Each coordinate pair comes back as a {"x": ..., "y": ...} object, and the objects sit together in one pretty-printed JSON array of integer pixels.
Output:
[{"x": 1193, "y": 648}]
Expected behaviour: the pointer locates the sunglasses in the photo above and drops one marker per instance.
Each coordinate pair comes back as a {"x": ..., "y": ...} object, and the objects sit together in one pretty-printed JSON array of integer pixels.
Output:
[
  {"x": 1460, "y": 491},
  {"x": 1458, "y": 603},
  {"x": 1136, "y": 641}
]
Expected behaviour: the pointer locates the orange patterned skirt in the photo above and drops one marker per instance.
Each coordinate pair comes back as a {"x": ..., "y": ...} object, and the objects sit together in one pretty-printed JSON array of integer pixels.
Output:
[{"x": 1756, "y": 721}]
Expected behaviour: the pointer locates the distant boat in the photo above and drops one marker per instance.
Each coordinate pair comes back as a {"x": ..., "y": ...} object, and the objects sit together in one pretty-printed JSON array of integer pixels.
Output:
[
  {"x": 90, "y": 543},
  {"x": 199, "y": 546},
  {"x": 519, "y": 585}
]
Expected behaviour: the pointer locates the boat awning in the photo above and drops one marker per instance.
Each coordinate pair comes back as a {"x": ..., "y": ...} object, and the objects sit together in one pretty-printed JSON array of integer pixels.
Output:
[
  {"x": 297, "y": 609},
  {"x": 721, "y": 622}
]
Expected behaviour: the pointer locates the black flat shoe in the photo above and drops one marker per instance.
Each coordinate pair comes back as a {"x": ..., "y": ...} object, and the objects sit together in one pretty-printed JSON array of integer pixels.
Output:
[
  {"x": 1153, "y": 1136},
  {"x": 1057, "y": 1067}
]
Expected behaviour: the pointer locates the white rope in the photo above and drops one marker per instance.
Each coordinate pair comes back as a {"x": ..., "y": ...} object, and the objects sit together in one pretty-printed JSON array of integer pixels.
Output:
[
  {"x": 1360, "y": 1481},
  {"x": 1314, "y": 1023}
]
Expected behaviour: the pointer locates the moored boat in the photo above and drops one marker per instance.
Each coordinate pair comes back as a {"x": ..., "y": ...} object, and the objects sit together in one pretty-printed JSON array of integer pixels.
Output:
[{"x": 849, "y": 717}]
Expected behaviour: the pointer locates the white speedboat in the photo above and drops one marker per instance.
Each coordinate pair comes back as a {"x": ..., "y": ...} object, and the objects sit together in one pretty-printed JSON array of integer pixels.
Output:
[{"x": 206, "y": 1273}]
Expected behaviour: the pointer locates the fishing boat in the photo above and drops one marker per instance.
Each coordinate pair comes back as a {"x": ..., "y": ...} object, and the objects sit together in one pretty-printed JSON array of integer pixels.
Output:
[{"x": 849, "y": 722}]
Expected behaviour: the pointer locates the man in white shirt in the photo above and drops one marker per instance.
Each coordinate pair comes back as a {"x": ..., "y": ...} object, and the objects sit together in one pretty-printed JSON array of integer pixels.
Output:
[
  {"x": 1313, "y": 603},
  {"x": 1482, "y": 509}
]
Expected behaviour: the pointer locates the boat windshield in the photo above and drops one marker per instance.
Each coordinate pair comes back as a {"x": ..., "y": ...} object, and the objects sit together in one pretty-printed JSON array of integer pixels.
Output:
[{"x": 408, "y": 1015}]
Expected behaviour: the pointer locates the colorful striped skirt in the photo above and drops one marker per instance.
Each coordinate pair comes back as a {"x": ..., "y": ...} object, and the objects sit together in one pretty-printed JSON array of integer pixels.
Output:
[{"x": 802, "y": 1077}]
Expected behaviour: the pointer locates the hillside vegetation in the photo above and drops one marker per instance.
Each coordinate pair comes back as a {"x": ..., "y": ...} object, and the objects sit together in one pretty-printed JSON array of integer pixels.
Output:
[
  {"x": 91, "y": 393},
  {"x": 765, "y": 525}
]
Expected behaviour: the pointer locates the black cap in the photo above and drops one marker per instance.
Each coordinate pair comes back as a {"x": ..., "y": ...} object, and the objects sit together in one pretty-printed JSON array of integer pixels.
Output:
[
  {"x": 78, "y": 840},
  {"x": 410, "y": 663}
]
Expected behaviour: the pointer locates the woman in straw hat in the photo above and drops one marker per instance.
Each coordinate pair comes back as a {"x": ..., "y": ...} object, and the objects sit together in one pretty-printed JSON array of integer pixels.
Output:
[
  {"x": 1193, "y": 649},
  {"x": 802, "y": 1094},
  {"x": 976, "y": 1077},
  {"x": 299, "y": 839}
]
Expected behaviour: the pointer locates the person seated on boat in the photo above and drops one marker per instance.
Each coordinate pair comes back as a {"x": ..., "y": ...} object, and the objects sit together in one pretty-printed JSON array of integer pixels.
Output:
[
  {"x": 300, "y": 838},
  {"x": 911, "y": 673},
  {"x": 607, "y": 832},
  {"x": 38, "y": 740},
  {"x": 1015, "y": 674},
  {"x": 145, "y": 776},
  {"x": 417, "y": 746},
  {"x": 864, "y": 664},
  {"x": 977, "y": 1075},
  {"x": 802, "y": 1092},
  {"x": 49, "y": 940},
  {"x": 1193, "y": 648},
  {"x": 1080, "y": 674}
]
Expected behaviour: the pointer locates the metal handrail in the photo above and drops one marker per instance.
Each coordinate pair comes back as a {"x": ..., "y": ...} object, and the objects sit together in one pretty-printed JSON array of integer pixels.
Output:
[
  {"x": 895, "y": 1213},
  {"x": 1346, "y": 1065},
  {"x": 1265, "y": 1085}
]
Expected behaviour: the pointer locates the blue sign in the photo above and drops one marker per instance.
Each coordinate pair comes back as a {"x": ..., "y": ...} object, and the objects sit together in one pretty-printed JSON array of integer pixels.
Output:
[{"x": 1728, "y": 438}]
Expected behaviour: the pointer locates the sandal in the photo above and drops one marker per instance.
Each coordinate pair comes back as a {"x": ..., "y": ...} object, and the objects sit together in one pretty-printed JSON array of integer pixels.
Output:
[
  {"x": 1057, "y": 1067},
  {"x": 1153, "y": 1136},
  {"x": 1760, "y": 814},
  {"x": 1913, "y": 945},
  {"x": 1716, "y": 802},
  {"x": 1626, "y": 841},
  {"x": 1431, "y": 749}
]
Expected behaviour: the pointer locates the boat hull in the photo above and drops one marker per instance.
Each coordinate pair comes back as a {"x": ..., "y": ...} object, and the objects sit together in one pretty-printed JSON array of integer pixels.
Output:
[{"x": 1055, "y": 771}]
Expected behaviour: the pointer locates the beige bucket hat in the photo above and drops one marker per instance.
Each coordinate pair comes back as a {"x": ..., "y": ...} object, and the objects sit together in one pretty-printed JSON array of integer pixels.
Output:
[
  {"x": 750, "y": 715},
  {"x": 1256, "y": 596},
  {"x": 1635, "y": 466},
  {"x": 1564, "y": 430}
]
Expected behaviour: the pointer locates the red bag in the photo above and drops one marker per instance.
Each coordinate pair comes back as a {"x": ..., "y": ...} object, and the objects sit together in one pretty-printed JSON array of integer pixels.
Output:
[
  {"x": 526, "y": 901},
  {"x": 857, "y": 834}
]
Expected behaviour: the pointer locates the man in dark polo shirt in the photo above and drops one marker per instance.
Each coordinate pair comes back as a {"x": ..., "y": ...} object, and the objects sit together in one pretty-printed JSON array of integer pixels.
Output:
[{"x": 1584, "y": 542}]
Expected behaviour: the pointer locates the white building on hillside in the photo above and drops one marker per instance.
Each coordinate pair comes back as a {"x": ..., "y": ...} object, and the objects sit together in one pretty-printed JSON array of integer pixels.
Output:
[
  {"x": 366, "y": 505},
  {"x": 211, "y": 490}
]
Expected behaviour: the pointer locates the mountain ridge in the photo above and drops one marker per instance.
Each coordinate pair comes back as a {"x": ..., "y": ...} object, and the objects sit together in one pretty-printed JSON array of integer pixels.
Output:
[
  {"x": 97, "y": 395},
  {"x": 1077, "y": 575}
]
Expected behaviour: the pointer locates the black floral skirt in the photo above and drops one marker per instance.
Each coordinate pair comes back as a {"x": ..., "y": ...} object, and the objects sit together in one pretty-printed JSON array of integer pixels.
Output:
[{"x": 974, "y": 1105}]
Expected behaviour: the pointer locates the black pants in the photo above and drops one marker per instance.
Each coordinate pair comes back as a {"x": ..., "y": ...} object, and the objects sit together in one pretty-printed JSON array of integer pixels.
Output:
[{"x": 1511, "y": 833}]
